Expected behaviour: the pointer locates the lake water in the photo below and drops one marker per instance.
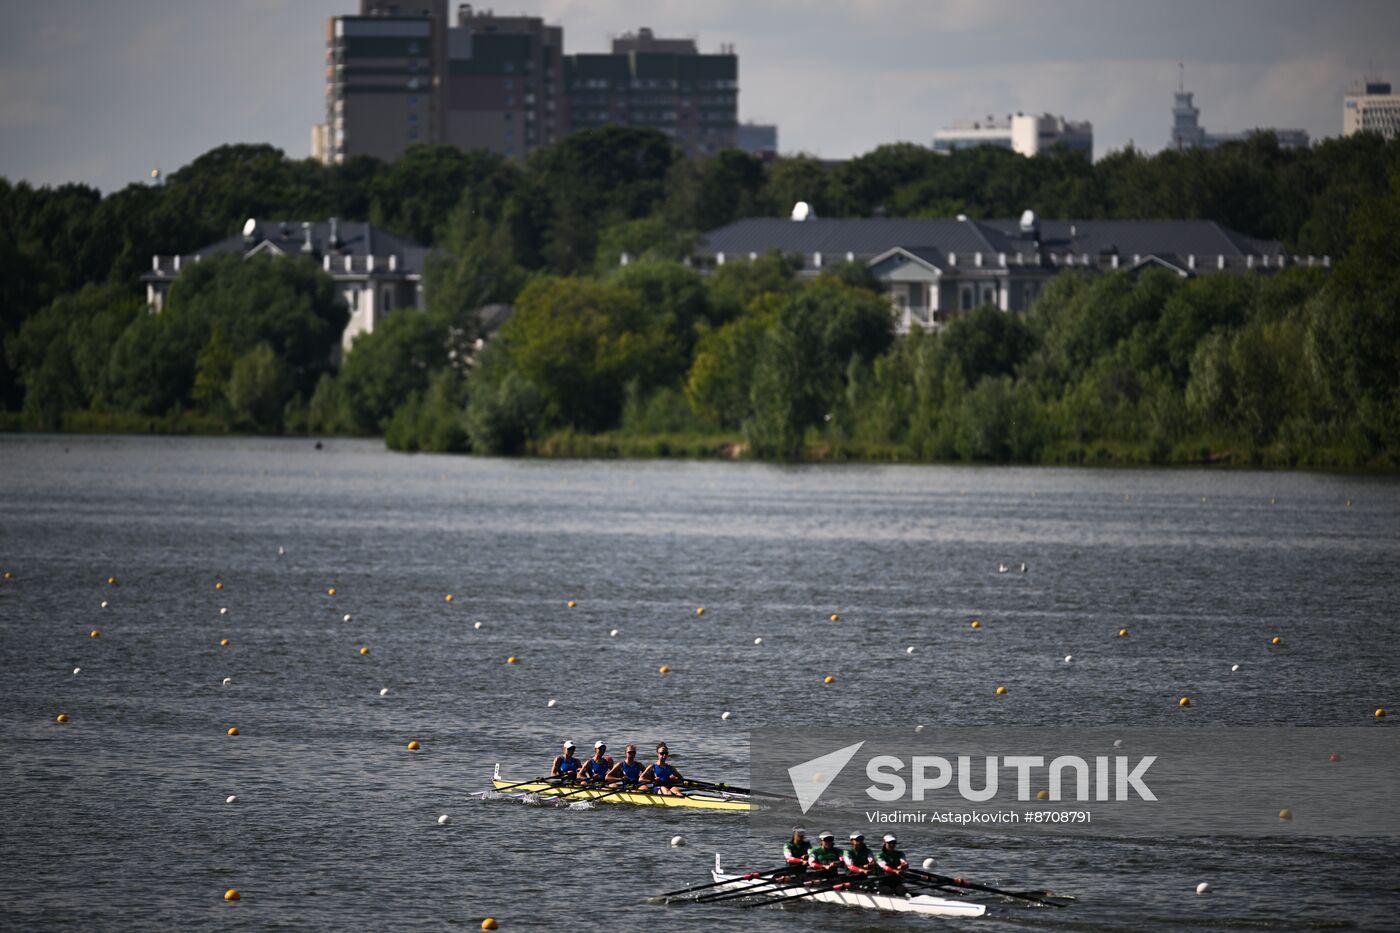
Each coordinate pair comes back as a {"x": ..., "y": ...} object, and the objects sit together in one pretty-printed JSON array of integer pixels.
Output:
[{"x": 117, "y": 819}]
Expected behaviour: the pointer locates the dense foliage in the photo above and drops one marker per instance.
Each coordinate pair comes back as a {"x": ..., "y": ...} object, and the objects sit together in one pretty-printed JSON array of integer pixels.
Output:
[{"x": 1291, "y": 368}]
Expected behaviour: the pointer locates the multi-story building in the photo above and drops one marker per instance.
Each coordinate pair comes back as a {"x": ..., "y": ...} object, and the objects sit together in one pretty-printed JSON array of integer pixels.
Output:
[
  {"x": 1023, "y": 133},
  {"x": 375, "y": 272},
  {"x": 382, "y": 72},
  {"x": 504, "y": 84},
  {"x": 1187, "y": 132},
  {"x": 1370, "y": 107},
  {"x": 665, "y": 84},
  {"x": 758, "y": 139},
  {"x": 936, "y": 269}
]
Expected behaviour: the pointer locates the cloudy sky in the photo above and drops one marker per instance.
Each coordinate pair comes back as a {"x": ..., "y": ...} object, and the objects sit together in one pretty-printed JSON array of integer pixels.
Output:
[{"x": 101, "y": 91}]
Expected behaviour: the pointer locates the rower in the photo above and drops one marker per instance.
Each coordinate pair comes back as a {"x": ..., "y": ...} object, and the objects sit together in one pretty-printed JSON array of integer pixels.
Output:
[
  {"x": 628, "y": 771},
  {"x": 663, "y": 778},
  {"x": 795, "y": 852},
  {"x": 824, "y": 859},
  {"x": 566, "y": 766},
  {"x": 892, "y": 864},
  {"x": 858, "y": 859},
  {"x": 596, "y": 769}
]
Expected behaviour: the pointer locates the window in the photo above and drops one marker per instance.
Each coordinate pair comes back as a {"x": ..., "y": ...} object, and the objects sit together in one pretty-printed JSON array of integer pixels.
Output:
[
  {"x": 965, "y": 297},
  {"x": 386, "y": 299}
]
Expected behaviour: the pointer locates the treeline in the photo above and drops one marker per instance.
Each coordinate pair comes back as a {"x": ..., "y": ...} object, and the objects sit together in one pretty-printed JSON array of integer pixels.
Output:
[{"x": 652, "y": 357}]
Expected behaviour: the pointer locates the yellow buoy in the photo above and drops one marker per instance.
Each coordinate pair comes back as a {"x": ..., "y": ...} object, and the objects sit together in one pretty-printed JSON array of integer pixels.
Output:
[
  {"x": 976, "y": 624},
  {"x": 1380, "y": 713},
  {"x": 829, "y": 679},
  {"x": 572, "y": 604},
  {"x": 330, "y": 591},
  {"x": 835, "y": 617},
  {"x": 1276, "y": 640},
  {"x": 223, "y": 642},
  {"x": 663, "y": 669},
  {"x": 232, "y": 895},
  {"x": 1001, "y": 691},
  {"x": 413, "y": 746},
  {"x": 450, "y": 597},
  {"x": 699, "y": 610},
  {"x": 512, "y": 660},
  {"x": 218, "y": 585},
  {"x": 364, "y": 651},
  {"x": 111, "y": 581},
  {"x": 1042, "y": 795},
  {"x": 9, "y": 575},
  {"x": 1285, "y": 814},
  {"x": 1122, "y": 633},
  {"x": 62, "y": 717},
  {"x": 94, "y": 634},
  {"x": 1184, "y": 701},
  {"x": 489, "y": 923},
  {"x": 232, "y": 730}
]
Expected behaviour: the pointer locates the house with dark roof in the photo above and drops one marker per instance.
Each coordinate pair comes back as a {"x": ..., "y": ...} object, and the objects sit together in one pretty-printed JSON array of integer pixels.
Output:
[
  {"x": 375, "y": 272},
  {"x": 937, "y": 268}
]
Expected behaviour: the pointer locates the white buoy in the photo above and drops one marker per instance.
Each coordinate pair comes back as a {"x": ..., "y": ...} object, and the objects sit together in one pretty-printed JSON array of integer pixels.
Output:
[
  {"x": 909, "y": 650},
  {"x": 1202, "y": 888},
  {"x": 677, "y": 841},
  {"x": 444, "y": 820},
  {"x": 104, "y": 604},
  {"x": 612, "y": 634},
  {"x": 232, "y": 798},
  {"x": 1117, "y": 743},
  {"x": 725, "y": 715},
  {"x": 223, "y": 610},
  {"x": 228, "y": 681},
  {"x": 476, "y": 625},
  {"x": 1023, "y": 568},
  {"x": 281, "y": 552},
  {"x": 1002, "y": 568},
  {"x": 346, "y": 617},
  {"x": 1069, "y": 659},
  {"x": 383, "y": 691},
  {"x": 919, "y": 728},
  {"x": 552, "y": 703},
  {"x": 77, "y": 670},
  {"x": 929, "y": 863},
  {"x": 758, "y": 641},
  {"x": 1234, "y": 668}
]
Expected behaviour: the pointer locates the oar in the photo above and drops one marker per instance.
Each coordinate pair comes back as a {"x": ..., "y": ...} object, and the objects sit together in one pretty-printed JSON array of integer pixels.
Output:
[
  {"x": 731, "y": 789},
  {"x": 838, "y": 884},
  {"x": 768, "y": 886},
  {"x": 608, "y": 791},
  {"x": 553, "y": 779},
  {"x": 747, "y": 877},
  {"x": 960, "y": 883}
]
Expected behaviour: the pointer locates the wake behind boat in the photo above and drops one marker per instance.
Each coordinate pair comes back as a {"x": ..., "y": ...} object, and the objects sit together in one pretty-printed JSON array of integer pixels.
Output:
[{"x": 846, "y": 896}]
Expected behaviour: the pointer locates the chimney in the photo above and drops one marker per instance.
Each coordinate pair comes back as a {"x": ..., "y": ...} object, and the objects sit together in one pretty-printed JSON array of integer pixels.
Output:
[
  {"x": 335, "y": 233},
  {"x": 306, "y": 246}
]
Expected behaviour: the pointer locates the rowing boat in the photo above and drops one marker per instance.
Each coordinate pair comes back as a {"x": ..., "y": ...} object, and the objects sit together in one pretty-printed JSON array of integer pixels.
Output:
[
  {"x": 693, "y": 799},
  {"x": 925, "y": 904}
]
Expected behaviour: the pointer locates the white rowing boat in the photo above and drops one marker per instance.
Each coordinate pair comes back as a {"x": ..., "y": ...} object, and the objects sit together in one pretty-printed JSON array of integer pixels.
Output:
[{"x": 925, "y": 904}]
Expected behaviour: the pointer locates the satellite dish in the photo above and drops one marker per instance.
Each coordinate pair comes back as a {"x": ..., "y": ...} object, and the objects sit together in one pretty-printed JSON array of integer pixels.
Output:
[
  {"x": 1029, "y": 223},
  {"x": 803, "y": 211},
  {"x": 250, "y": 227}
]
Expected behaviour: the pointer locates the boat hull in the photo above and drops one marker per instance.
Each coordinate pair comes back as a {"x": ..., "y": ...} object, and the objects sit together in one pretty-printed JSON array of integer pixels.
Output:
[
  {"x": 925, "y": 904},
  {"x": 692, "y": 801}
]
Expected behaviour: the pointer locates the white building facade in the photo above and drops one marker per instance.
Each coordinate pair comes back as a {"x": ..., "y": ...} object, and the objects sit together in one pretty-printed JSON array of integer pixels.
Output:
[
  {"x": 1022, "y": 133},
  {"x": 1370, "y": 107}
]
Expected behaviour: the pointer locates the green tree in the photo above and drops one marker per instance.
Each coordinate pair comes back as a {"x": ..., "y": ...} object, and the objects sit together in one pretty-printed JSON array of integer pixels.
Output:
[{"x": 259, "y": 388}]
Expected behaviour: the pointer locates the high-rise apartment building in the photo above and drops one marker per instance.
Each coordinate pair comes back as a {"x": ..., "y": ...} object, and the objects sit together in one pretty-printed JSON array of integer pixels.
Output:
[
  {"x": 382, "y": 70},
  {"x": 1370, "y": 107},
  {"x": 1023, "y": 133},
  {"x": 400, "y": 74},
  {"x": 665, "y": 84}
]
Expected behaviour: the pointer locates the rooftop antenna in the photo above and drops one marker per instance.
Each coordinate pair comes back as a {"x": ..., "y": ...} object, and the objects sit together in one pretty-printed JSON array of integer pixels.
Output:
[{"x": 1180, "y": 77}]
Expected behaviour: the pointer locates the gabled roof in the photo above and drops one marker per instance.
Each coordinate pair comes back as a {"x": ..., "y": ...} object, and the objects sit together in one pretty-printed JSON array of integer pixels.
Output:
[
  {"x": 866, "y": 238},
  {"x": 355, "y": 239},
  {"x": 925, "y": 256}
]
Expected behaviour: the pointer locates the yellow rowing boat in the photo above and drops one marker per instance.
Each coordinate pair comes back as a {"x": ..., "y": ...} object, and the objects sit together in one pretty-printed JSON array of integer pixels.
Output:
[{"x": 694, "y": 799}]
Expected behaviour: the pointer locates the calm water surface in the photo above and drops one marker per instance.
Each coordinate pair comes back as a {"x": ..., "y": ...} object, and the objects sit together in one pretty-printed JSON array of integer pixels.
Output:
[{"x": 117, "y": 820}]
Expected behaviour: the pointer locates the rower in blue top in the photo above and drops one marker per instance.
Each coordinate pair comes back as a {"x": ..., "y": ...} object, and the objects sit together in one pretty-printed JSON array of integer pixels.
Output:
[
  {"x": 595, "y": 769},
  {"x": 628, "y": 771},
  {"x": 566, "y": 766},
  {"x": 663, "y": 778}
]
